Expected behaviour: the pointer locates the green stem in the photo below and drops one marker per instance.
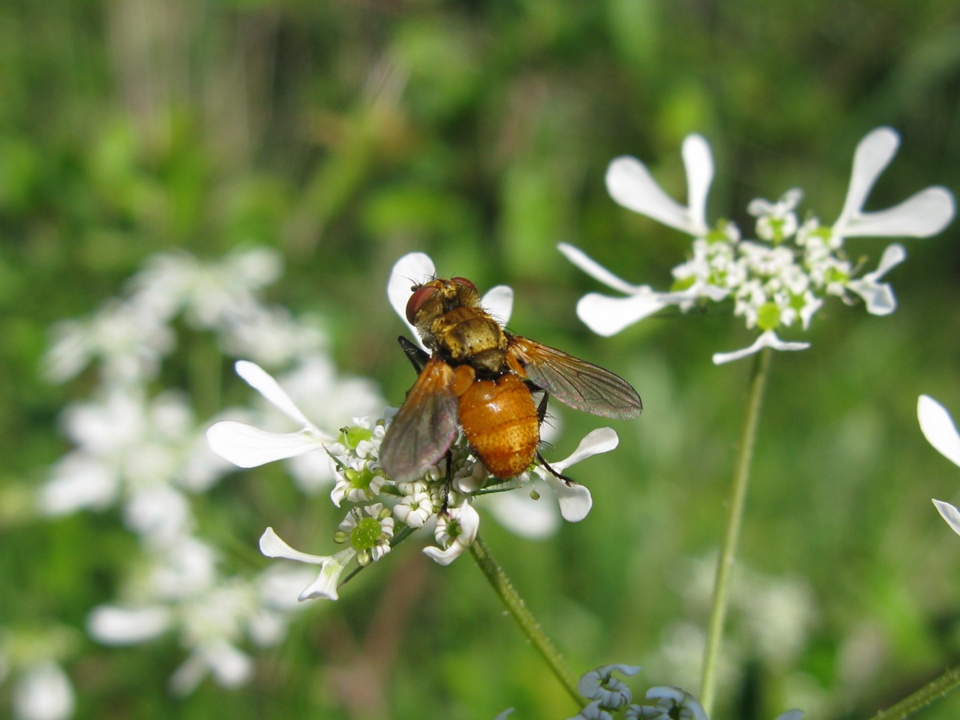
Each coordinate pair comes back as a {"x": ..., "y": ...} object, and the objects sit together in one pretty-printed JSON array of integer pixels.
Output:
[
  {"x": 728, "y": 550},
  {"x": 922, "y": 697},
  {"x": 528, "y": 623}
]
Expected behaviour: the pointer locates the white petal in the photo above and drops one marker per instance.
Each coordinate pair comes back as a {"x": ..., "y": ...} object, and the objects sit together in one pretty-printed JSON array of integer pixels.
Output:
[
  {"x": 231, "y": 667},
  {"x": 43, "y": 692},
  {"x": 325, "y": 586},
  {"x": 877, "y": 297},
  {"x": 595, "y": 442},
  {"x": 949, "y": 513},
  {"x": 938, "y": 428},
  {"x": 247, "y": 446},
  {"x": 575, "y": 500},
  {"x": 261, "y": 381},
  {"x": 121, "y": 626},
  {"x": 921, "y": 215},
  {"x": 892, "y": 256},
  {"x": 873, "y": 154},
  {"x": 498, "y": 301},
  {"x": 273, "y": 547},
  {"x": 595, "y": 270},
  {"x": 447, "y": 556},
  {"x": 698, "y": 162},
  {"x": 412, "y": 269},
  {"x": 504, "y": 714},
  {"x": 768, "y": 339},
  {"x": 524, "y": 516},
  {"x": 190, "y": 673},
  {"x": 632, "y": 186},
  {"x": 79, "y": 481},
  {"x": 607, "y": 316}
]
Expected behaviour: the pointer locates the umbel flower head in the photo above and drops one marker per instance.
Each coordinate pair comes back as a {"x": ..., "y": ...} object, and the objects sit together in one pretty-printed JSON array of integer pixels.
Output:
[
  {"x": 782, "y": 277},
  {"x": 381, "y": 511}
]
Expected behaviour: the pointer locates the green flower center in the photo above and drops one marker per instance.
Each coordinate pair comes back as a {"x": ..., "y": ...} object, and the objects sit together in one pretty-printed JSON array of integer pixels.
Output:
[
  {"x": 353, "y": 436},
  {"x": 365, "y": 535},
  {"x": 359, "y": 479},
  {"x": 768, "y": 316}
]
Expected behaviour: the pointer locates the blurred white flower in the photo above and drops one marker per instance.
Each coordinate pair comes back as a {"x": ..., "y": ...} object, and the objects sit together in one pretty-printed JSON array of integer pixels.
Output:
[
  {"x": 31, "y": 662},
  {"x": 211, "y": 615},
  {"x": 213, "y": 295},
  {"x": 124, "y": 443},
  {"x": 43, "y": 692},
  {"x": 128, "y": 342}
]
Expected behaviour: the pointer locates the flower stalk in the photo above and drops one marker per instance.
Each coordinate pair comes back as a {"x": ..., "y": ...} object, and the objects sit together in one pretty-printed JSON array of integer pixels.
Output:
[
  {"x": 922, "y": 697},
  {"x": 521, "y": 613},
  {"x": 728, "y": 550}
]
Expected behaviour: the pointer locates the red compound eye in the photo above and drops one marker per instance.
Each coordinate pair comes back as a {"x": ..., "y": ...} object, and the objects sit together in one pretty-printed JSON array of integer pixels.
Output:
[
  {"x": 465, "y": 282},
  {"x": 418, "y": 300}
]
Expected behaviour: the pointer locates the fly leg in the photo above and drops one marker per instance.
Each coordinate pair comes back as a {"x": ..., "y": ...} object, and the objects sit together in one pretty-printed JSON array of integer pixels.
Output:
[
  {"x": 417, "y": 357},
  {"x": 542, "y": 413}
]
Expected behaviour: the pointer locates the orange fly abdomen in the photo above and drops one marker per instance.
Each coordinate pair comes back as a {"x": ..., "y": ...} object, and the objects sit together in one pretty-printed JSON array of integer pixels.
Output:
[{"x": 501, "y": 423}]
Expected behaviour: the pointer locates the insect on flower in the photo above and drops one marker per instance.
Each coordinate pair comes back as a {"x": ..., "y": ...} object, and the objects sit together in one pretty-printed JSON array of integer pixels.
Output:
[{"x": 482, "y": 379}]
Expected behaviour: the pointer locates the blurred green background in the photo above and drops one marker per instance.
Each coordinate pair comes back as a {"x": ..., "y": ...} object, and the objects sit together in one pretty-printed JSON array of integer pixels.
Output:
[{"x": 345, "y": 134}]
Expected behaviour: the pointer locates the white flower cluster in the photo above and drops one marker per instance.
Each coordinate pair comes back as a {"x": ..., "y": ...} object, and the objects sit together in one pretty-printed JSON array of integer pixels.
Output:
[
  {"x": 382, "y": 511},
  {"x": 778, "y": 280},
  {"x": 145, "y": 451}
]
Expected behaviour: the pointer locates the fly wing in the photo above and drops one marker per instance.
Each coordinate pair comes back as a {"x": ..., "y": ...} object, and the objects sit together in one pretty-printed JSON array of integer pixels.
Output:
[
  {"x": 424, "y": 427},
  {"x": 574, "y": 382}
]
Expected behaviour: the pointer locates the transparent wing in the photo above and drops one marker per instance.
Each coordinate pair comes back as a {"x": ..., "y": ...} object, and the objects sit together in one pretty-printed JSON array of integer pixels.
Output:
[
  {"x": 424, "y": 427},
  {"x": 573, "y": 381}
]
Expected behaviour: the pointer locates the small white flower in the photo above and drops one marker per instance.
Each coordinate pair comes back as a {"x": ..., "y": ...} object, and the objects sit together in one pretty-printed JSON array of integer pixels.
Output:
[
  {"x": 415, "y": 508},
  {"x": 776, "y": 221},
  {"x": 247, "y": 446},
  {"x": 370, "y": 535},
  {"x": 455, "y": 532},
  {"x": 331, "y": 567}
]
